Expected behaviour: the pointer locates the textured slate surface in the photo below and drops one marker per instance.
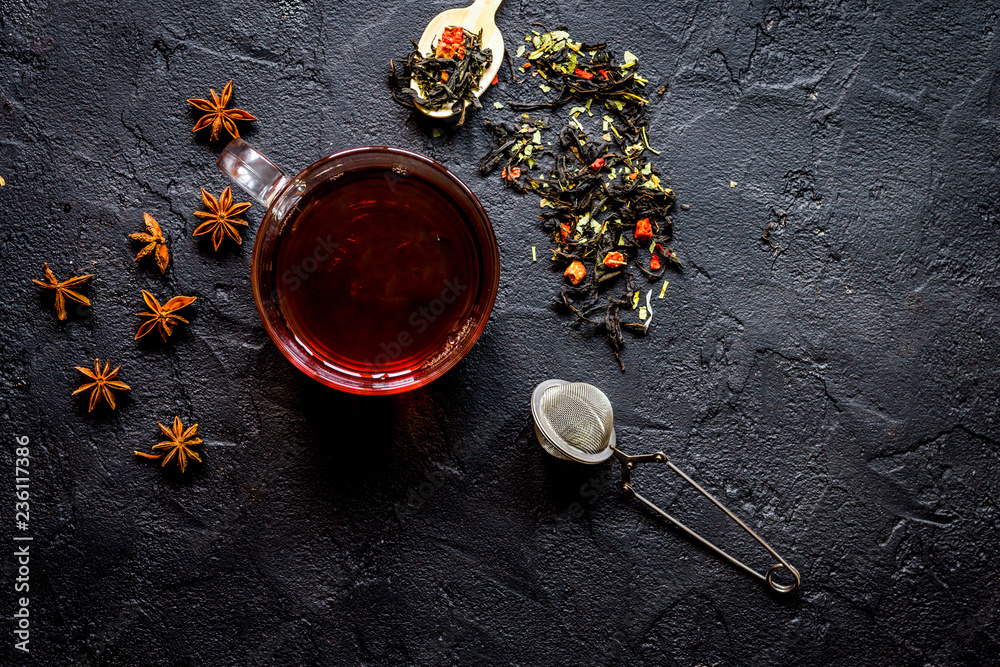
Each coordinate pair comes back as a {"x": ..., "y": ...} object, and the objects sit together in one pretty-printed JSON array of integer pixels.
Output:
[{"x": 840, "y": 393}]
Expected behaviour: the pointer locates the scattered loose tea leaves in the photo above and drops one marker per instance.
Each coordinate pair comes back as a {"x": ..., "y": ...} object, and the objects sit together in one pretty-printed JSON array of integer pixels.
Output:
[
  {"x": 217, "y": 116},
  {"x": 63, "y": 289},
  {"x": 448, "y": 77},
  {"x": 602, "y": 200},
  {"x": 221, "y": 217},
  {"x": 179, "y": 445},
  {"x": 104, "y": 380},
  {"x": 156, "y": 245},
  {"x": 162, "y": 317}
]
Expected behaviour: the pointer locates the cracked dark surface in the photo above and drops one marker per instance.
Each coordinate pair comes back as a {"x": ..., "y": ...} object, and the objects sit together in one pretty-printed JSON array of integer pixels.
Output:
[{"x": 838, "y": 390}]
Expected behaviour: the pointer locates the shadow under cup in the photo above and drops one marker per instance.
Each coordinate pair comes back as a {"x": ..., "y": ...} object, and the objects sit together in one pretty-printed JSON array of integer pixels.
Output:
[{"x": 375, "y": 270}]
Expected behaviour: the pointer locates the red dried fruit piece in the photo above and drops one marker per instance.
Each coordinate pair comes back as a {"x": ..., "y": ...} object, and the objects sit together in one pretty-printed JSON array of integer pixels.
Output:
[
  {"x": 614, "y": 260},
  {"x": 597, "y": 164},
  {"x": 454, "y": 34},
  {"x": 654, "y": 263},
  {"x": 580, "y": 73},
  {"x": 575, "y": 272},
  {"x": 451, "y": 44},
  {"x": 564, "y": 232},
  {"x": 643, "y": 231},
  {"x": 510, "y": 173}
]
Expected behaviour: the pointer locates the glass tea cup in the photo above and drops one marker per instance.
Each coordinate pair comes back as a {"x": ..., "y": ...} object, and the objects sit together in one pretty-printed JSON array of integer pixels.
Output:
[{"x": 374, "y": 270}]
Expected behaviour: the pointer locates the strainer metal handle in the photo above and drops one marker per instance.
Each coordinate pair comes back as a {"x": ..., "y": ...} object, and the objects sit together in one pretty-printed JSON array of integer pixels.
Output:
[{"x": 628, "y": 463}]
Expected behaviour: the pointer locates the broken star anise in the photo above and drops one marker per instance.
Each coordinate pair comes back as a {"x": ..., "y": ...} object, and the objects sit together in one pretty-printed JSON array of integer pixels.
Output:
[
  {"x": 179, "y": 444},
  {"x": 63, "y": 289},
  {"x": 103, "y": 382},
  {"x": 217, "y": 115},
  {"x": 162, "y": 317},
  {"x": 155, "y": 243},
  {"x": 221, "y": 217}
]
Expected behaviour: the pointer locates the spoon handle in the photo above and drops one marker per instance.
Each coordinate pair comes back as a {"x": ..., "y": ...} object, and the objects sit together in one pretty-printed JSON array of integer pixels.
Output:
[{"x": 485, "y": 8}]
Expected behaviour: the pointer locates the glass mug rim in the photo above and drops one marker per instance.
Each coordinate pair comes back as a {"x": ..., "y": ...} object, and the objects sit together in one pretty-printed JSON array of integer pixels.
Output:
[{"x": 280, "y": 193}]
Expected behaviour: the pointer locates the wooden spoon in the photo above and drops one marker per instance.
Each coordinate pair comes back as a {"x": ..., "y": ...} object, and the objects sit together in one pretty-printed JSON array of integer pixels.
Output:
[{"x": 480, "y": 15}]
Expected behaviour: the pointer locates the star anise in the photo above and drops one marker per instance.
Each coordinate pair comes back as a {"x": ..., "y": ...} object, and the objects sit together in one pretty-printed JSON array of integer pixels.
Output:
[
  {"x": 221, "y": 217},
  {"x": 103, "y": 382},
  {"x": 218, "y": 116},
  {"x": 180, "y": 442},
  {"x": 162, "y": 317},
  {"x": 155, "y": 243},
  {"x": 63, "y": 290}
]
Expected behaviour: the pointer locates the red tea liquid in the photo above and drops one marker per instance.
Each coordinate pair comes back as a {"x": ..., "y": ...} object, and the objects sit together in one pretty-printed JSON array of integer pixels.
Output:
[{"x": 376, "y": 273}]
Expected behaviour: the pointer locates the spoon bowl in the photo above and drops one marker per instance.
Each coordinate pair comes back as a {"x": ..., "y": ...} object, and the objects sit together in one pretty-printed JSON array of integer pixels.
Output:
[{"x": 480, "y": 15}]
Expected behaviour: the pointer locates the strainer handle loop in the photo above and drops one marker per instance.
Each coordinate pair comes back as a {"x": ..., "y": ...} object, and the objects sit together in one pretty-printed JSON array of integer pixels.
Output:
[{"x": 628, "y": 463}]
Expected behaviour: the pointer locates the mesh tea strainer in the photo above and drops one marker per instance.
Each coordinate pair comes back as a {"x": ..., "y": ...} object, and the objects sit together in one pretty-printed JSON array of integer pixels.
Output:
[{"x": 574, "y": 421}]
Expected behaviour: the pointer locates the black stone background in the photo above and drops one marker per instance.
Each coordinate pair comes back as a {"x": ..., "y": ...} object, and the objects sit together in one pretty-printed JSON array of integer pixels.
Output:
[{"x": 839, "y": 393}]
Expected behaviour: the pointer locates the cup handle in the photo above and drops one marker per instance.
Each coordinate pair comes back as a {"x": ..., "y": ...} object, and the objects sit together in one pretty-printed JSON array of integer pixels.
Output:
[{"x": 249, "y": 169}]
